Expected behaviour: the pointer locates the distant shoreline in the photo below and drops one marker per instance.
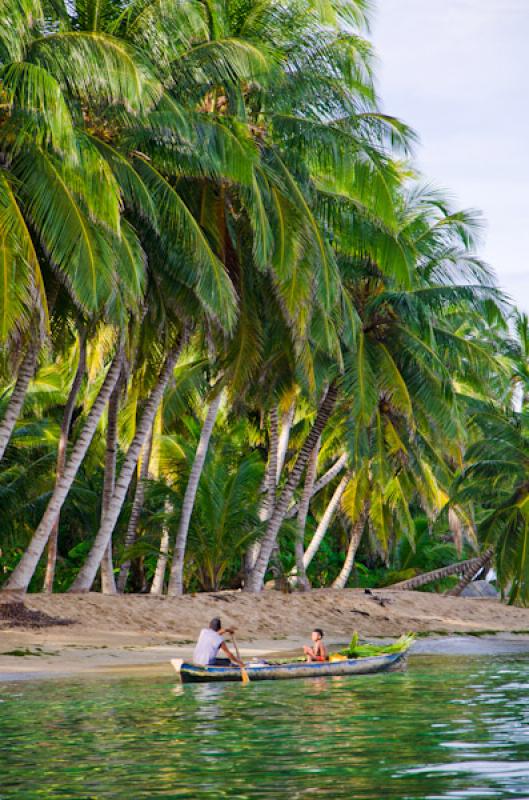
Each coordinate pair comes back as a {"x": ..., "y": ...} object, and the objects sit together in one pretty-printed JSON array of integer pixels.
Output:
[{"x": 137, "y": 634}]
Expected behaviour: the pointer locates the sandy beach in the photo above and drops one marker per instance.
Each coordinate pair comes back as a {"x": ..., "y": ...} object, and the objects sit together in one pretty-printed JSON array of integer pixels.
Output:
[{"x": 136, "y": 632}]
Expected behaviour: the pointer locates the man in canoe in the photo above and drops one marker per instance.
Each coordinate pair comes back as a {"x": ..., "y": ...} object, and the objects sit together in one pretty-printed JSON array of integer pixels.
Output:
[
  {"x": 318, "y": 651},
  {"x": 210, "y": 642}
]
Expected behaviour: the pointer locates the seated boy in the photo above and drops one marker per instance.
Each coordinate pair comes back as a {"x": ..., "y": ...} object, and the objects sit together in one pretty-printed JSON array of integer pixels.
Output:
[{"x": 318, "y": 651}]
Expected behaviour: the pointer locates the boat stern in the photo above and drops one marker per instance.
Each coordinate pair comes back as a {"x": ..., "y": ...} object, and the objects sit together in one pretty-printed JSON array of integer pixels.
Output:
[{"x": 177, "y": 665}]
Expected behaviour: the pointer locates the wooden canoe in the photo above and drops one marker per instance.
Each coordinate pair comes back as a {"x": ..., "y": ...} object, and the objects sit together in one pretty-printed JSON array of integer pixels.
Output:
[{"x": 191, "y": 673}]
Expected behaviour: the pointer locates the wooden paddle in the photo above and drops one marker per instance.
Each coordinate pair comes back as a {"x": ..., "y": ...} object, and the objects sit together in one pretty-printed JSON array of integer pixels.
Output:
[{"x": 244, "y": 675}]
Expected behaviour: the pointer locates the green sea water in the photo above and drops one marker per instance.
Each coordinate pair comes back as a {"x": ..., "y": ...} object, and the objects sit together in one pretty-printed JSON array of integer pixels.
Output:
[{"x": 445, "y": 728}]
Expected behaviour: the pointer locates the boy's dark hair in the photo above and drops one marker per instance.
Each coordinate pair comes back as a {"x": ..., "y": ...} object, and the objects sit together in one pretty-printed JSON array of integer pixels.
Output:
[
  {"x": 215, "y": 624},
  {"x": 319, "y": 630}
]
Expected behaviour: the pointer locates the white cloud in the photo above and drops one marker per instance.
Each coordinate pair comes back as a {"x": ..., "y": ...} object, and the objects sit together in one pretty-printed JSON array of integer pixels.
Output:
[{"x": 457, "y": 71}]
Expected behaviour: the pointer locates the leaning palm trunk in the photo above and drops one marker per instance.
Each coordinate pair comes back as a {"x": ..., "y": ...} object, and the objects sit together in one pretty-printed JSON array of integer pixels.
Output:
[
  {"x": 137, "y": 508},
  {"x": 320, "y": 484},
  {"x": 470, "y": 573},
  {"x": 270, "y": 482},
  {"x": 268, "y": 488},
  {"x": 108, "y": 583},
  {"x": 61, "y": 457},
  {"x": 24, "y": 570},
  {"x": 287, "y": 420},
  {"x": 326, "y": 520},
  {"x": 356, "y": 534},
  {"x": 439, "y": 574},
  {"x": 256, "y": 577},
  {"x": 16, "y": 401},
  {"x": 284, "y": 437},
  {"x": 161, "y": 564},
  {"x": 301, "y": 580},
  {"x": 88, "y": 571},
  {"x": 176, "y": 579}
]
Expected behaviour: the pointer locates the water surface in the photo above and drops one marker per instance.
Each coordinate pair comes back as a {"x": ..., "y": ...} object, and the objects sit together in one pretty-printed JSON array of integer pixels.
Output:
[{"x": 446, "y": 728}]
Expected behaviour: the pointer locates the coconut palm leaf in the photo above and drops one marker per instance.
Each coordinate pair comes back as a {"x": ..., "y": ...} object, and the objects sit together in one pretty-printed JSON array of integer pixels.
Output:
[
  {"x": 39, "y": 104},
  {"x": 94, "y": 66},
  {"x": 75, "y": 246},
  {"x": 204, "y": 270}
]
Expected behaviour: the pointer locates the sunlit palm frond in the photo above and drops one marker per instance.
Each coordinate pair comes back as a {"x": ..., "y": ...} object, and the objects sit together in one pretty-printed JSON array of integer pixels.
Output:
[
  {"x": 199, "y": 266},
  {"x": 94, "y": 66},
  {"x": 75, "y": 246}
]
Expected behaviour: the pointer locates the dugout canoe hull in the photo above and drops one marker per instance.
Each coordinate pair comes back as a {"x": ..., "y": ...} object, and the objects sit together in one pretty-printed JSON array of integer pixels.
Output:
[{"x": 191, "y": 673}]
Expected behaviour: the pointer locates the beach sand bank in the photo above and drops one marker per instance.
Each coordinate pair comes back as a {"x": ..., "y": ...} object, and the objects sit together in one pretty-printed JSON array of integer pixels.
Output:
[{"x": 138, "y": 633}]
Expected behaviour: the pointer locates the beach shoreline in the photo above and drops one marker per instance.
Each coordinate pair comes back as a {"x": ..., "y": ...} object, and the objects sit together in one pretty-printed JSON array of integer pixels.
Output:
[{"x": 139, "y": 634}]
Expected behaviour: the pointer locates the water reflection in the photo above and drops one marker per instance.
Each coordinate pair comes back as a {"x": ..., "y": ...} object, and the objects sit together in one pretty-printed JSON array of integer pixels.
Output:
[{"x": 446, "y": 728}]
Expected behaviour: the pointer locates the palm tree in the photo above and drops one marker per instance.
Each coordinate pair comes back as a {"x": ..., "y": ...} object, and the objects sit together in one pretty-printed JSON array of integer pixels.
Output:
[
  {"x": 340, "y": 581},
  {"x": 82, "y": 245},
  {"x": 177, "y": 568},
  {"x": 494, "y": 478},
  {"x": 225, "y": 517},
  {"x": 61, "y": 203},
  {"x": 326, "y": 520},
  {"x": 304, "y": 503},
  {"x": 86, "y": 576},
  {"x": 224, "y": 168},
  {"x": 276, "y": 178},
  {"x": 22, "y": 574},
  {"x": 257, "y": 575},
  {"x": 108, "y": 583},
  {"x": 143, "y": 472},
  {"x": 62, "y": 452},
  {"x": 16, "y": 401}
]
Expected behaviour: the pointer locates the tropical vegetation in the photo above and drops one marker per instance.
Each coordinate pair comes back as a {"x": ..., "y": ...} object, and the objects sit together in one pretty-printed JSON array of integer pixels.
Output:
[{"x": 242, "y": 342}]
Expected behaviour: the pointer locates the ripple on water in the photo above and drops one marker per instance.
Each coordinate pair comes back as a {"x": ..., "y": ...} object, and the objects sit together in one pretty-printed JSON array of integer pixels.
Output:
[{"x": 447, "y": 728}]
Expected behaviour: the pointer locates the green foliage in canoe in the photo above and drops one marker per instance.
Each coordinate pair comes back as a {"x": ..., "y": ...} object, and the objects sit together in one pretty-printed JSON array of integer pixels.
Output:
[{"x": 357, "y": 650}]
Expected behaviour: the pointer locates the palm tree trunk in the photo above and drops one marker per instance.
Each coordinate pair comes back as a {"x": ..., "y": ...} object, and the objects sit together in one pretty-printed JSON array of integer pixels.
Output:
[
  {"x": 267, "y": 506},
  {"x": 438, "y": 574},
  {"x": 24, "y": 570},
  {"x": 470, "y": 573},
  {"x": 269, "y": 488},
  {"x": 331, "y": 474},
  {"x": 356, "y": 535},
  {"x": 137, "y": 507},
  {"x": 326, "y": 520},
  {"x": 256, "y": 577},
  {"x": 61, "y": 457},
  {"x": 320, "y": 484},
  {"x": 284, "y": 437},
  {"x": 108, "y": 582},
  {"x": 161, "y": 564},
  {"x": 286, "y": 425},
  {"x": 302, "y": 581},
  {"x": 88, "y": 571},
  {"x": 176, "y": 579},
  {"x": 16, "y": 401}
]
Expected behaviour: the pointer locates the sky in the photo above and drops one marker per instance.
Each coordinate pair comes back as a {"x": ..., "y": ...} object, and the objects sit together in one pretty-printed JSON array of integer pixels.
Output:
[{"x": 457, "y": 71}]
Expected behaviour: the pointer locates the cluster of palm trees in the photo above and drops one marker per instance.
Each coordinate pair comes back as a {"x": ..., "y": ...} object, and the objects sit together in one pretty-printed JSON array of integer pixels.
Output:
[{"x": 231, "y": 315}]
